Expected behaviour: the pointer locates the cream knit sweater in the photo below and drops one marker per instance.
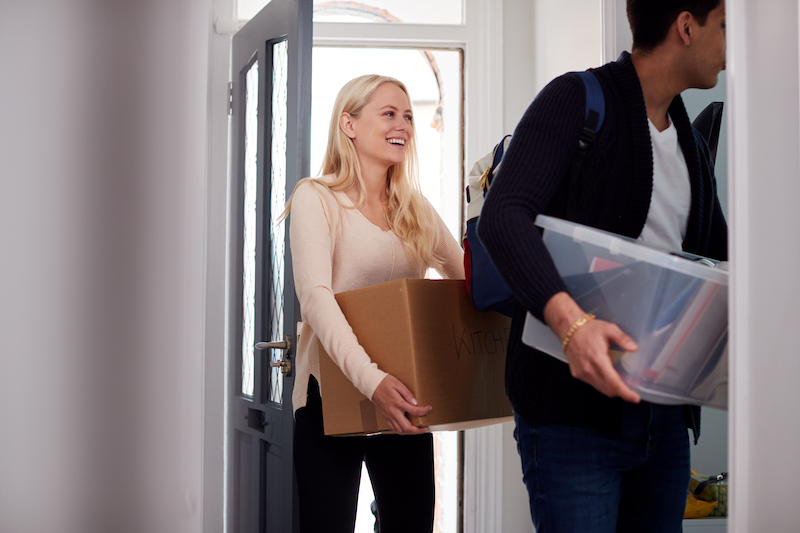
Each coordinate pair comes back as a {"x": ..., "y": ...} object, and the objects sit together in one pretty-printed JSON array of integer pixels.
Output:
[{"x": 336, "y": 250}]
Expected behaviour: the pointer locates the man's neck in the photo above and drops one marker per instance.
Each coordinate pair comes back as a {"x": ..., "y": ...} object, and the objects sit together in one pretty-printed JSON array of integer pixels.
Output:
[{"x": 659, "y": 83}]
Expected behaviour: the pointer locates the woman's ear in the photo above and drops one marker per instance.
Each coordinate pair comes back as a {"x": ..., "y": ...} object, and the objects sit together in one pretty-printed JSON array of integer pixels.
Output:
[{"x": 347, "y": 125}]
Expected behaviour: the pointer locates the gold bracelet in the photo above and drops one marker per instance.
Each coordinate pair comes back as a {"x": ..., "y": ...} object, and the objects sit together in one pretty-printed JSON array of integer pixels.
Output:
[{"x": 581, "y": 321}]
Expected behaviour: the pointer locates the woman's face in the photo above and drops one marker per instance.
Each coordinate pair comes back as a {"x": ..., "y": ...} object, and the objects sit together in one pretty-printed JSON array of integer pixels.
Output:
[{"x": 382, "y": 130}]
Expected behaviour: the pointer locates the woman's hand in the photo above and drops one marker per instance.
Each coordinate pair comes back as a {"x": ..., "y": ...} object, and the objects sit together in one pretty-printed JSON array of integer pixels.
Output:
[
  {"x": 394, "y": 400},
  {"x": 588, "y": 349}
]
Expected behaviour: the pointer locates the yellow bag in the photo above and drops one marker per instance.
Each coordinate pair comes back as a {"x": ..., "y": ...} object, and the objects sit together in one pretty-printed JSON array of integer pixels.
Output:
[
  {"x": 697, "y": 508},
  {"x": 711, "y": 489}
]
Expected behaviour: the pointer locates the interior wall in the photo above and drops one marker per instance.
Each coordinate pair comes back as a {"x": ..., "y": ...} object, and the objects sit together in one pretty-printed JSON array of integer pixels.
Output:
[
  {"x": 542, "y": 40},
  {"x": 103, "y": 150},
  {"x": 216, "y": 252},
  {"x": 764, "y": 169}
]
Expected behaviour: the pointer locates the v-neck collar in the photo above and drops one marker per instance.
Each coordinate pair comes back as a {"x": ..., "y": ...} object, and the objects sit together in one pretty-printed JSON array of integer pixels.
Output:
[{"x": 362, "y": 215}]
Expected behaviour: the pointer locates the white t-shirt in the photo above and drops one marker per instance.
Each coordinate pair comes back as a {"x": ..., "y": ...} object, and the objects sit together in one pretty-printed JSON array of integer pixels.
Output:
[{"x": 668, "y": 216}]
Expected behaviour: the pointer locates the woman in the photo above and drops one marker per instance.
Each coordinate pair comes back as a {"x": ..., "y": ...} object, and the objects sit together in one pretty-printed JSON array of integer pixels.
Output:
[{"x": 363, "y": 222}]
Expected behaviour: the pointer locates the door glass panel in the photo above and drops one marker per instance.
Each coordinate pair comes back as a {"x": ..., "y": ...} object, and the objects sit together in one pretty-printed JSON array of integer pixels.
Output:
[
  {"x": 280, "y": 61},
  {"x": 249, "y": 231}
]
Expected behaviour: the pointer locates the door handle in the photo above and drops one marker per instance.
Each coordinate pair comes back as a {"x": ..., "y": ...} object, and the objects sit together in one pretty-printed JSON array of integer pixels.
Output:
[
  {"x": 284, "y": 364},
  {"x": 285, "y": 345}
]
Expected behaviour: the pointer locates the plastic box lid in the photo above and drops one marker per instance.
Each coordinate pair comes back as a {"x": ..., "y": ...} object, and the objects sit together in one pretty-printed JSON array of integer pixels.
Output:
[
  {"x": 674, "y": 307},
  {"x": 619, "y": 245}
]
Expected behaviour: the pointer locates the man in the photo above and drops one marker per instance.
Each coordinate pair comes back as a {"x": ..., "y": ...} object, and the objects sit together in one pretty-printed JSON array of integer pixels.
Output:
[{"x": 594, "y": 456}]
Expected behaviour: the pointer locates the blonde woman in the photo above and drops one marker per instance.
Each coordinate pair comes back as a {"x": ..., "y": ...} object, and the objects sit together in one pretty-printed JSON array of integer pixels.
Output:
[{"x": 363, "y": 222}]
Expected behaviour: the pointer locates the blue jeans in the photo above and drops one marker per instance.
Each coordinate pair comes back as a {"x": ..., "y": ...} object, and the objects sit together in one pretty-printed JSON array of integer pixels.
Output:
[{"x": 586, "y": 481}]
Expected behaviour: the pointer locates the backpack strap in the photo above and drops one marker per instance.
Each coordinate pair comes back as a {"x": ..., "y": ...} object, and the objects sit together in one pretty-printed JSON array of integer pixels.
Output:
[
  {"x": 488, "y": 174},
  {"x": 595, "y": 114}
]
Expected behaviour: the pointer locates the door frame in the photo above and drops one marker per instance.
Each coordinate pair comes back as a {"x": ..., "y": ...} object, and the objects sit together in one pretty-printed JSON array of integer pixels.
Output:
[{"x": 483, "y": 88}]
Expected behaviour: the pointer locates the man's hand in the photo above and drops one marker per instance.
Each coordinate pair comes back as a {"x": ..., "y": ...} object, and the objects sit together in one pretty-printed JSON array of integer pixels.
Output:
[
  {"x": 587, "y": 351},
  {"x": 394, "y": 400}
]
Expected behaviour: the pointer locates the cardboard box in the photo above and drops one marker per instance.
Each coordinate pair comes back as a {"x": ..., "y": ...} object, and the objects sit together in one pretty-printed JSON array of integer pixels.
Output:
[{"x": 427, "y": 334}]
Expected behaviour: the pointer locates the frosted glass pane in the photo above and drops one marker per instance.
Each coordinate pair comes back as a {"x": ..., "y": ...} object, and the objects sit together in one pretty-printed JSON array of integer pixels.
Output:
[
  {"x": 280, "y": 59},
  {"x": 249, "y": 228}
]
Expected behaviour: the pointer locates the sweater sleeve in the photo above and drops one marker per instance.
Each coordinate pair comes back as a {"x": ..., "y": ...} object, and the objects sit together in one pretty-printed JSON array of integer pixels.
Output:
[
  {"x": 535, "y": 164},
  {"x": 447, "y": 249},
  {"x": 314, "y": 217}
]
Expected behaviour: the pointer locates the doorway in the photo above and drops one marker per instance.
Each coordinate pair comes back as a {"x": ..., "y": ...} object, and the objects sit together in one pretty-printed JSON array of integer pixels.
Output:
[{"x": 434, "y": 81}]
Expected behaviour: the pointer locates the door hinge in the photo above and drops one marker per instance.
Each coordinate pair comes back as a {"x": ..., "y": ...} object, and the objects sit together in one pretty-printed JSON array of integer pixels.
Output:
[{"x": 230, "y": 98}]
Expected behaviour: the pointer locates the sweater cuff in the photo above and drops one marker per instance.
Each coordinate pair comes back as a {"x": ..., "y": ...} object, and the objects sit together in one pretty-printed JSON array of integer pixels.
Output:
[{"x": 370, "y": 381}]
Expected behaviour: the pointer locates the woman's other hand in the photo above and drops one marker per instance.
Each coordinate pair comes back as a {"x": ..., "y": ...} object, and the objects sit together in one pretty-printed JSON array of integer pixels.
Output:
[{"x": 394, "y": 400}]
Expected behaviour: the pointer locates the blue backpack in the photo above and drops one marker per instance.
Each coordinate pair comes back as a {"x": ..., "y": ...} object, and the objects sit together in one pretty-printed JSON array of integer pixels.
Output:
[{"x": 487, "y": 289}]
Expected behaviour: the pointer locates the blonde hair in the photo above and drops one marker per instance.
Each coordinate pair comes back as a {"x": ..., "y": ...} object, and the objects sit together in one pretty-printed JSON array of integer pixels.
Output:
[{"x": 407, "y": 211}]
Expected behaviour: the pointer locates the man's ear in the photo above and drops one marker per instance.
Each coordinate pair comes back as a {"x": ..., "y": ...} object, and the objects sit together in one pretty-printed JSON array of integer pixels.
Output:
[
  {"x": 346, "y": 123},
  {"x": 684, "y": 26}
]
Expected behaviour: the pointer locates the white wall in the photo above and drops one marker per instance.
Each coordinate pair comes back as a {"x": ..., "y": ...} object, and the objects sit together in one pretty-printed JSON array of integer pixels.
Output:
[
  {"x": 102, "y": 202},
  {"x": 764, "y": 169},
  {"x": 544, "y": 39},
  {"x": 541, "y": 40}
]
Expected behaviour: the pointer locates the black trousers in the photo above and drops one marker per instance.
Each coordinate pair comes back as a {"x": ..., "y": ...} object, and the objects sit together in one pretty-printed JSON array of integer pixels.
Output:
[{"x": 329, "y": 472}]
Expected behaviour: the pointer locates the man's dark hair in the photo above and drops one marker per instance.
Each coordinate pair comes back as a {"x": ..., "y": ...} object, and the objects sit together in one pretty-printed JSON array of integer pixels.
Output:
[{"x": 650, "y": 20}]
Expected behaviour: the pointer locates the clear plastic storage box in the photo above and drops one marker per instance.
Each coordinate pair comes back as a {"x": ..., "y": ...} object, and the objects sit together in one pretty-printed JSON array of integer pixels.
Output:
[{"x": 674, "y": 306}]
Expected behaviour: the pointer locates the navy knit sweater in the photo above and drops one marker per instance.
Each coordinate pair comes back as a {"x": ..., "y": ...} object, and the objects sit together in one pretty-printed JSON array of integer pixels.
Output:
[{"x": 615, "y": 186}]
